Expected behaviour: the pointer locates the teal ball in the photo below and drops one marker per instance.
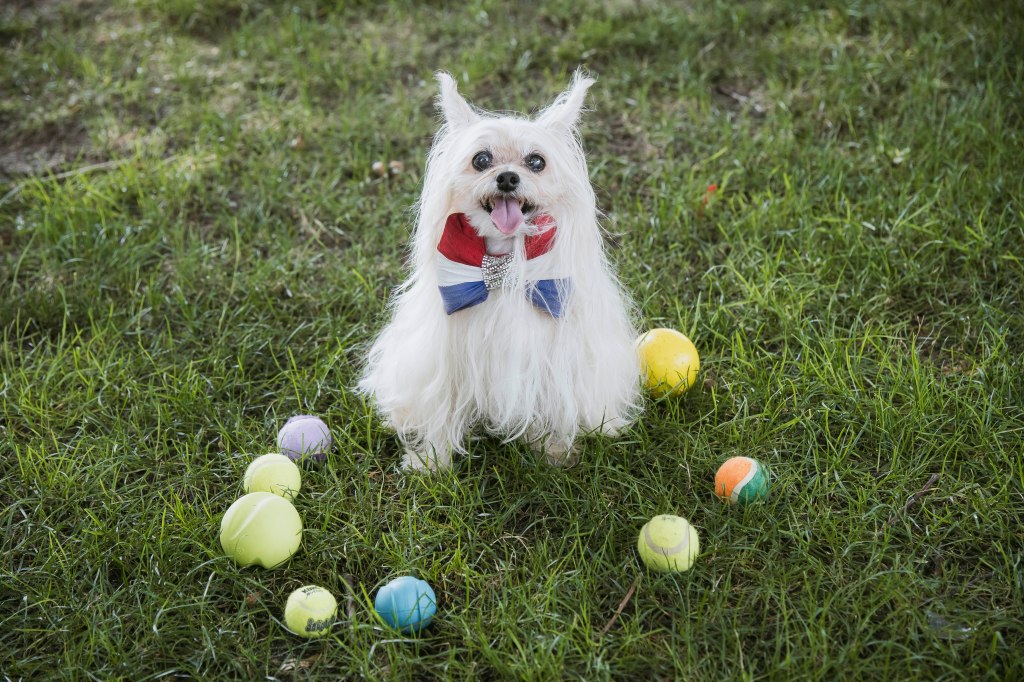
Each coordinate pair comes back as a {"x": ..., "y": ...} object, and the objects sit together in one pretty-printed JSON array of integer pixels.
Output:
[{"x": 407, "y": 604}]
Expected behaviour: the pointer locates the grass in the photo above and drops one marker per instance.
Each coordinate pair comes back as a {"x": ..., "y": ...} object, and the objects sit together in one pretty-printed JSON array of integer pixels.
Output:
[{"x": 193, "y": 247}]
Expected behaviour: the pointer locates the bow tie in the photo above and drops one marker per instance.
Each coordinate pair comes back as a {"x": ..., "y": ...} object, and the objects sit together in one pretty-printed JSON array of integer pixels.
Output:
[{"x": 466, "y": 272}]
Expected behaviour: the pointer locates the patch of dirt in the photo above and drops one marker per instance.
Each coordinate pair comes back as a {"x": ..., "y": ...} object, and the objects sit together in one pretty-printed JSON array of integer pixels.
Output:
[
  {"x": 19, "y": 17},
  {"x": 47, "y": 152},
  {"x": 58, "y": 145},
  {"x": 625, "y": 138},
  {"x": 743, "y": 98}
]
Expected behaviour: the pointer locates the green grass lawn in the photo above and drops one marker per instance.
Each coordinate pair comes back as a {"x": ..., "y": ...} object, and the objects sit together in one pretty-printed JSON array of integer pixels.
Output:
[{"x": 193, "y": 247}]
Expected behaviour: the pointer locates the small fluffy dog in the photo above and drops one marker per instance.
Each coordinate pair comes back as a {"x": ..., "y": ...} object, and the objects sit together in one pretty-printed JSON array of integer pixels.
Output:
[{"x": 512, "y": 319}]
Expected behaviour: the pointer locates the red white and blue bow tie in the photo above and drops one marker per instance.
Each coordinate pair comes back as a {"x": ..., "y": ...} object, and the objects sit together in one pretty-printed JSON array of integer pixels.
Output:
[{"x": 466, "y": 273}]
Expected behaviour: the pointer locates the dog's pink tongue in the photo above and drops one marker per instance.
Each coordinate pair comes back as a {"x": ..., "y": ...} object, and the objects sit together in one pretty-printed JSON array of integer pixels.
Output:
[{"x": 507, "y": 215}]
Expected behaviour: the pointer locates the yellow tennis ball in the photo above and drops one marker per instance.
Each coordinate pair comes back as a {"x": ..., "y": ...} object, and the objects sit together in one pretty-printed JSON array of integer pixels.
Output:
[
  {"x": 310, "y": 611},
  {"x": 668, "y": 543},
  {"x": 273, "y": 473},
  {"x": 261, "y": 528},
  {"x": 670, "y": 361}
]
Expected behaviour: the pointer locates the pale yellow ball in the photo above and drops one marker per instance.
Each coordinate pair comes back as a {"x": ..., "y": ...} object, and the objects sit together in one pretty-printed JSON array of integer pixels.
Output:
[
  {"x": 273, "y": 473},
  {"x": 261, "y": 528},
  {"x": 310, "y": 611},
  {"x": 668, "y": 543},
  {"x": 669, "y": 360}
]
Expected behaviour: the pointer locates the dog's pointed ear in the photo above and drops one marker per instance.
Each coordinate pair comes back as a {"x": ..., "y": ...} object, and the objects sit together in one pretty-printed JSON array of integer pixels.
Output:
[
  {"x": 564, "y": 112},
  {"x": 456, "y": 110}
]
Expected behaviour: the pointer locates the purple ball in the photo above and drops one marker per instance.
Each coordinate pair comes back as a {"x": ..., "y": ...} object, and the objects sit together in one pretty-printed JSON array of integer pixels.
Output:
[{"x": 304, "y": 436}]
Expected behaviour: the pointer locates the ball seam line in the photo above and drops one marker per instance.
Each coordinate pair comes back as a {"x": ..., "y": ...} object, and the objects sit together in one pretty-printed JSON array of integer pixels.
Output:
[
  {"x": 251, "y": 515},
  {"x": 735, "y": 496},
  {"x": 667, "y": 552}
]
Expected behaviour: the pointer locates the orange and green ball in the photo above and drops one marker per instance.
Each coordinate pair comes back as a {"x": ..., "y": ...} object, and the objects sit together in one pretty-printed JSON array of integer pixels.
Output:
[{"x": 741, "y": 480}]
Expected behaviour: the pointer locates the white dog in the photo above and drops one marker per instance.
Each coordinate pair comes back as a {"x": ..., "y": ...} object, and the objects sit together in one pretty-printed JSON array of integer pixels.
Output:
[{"x": 512, "y": 319}]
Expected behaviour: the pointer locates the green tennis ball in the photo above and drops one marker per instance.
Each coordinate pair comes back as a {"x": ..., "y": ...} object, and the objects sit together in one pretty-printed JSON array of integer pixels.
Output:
[
  {"x": 273, "y": 473},
  {"x": 261, "y": 528},
  {"x": 310, "y": 611},
  {"x": 668, "y": 543}
]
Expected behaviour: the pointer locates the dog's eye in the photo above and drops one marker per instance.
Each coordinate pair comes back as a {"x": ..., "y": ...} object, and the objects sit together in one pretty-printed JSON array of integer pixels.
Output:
[
  {"x": 482, "y": 161},
  {"x": 535, "y": 162}
]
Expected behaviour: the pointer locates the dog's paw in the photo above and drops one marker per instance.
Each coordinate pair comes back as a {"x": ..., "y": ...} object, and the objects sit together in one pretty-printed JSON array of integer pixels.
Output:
[
  {"x": 613, "y": 428},
  {"x": 424, "y": 461},
  {"x": 562, "y": 456},
  {"x": 417, "y": 461},
  {"x": 557, "y": 453}
]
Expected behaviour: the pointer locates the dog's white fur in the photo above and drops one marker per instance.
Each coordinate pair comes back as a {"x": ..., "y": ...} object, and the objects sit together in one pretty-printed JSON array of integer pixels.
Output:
[{"x": 505, "y": 365}]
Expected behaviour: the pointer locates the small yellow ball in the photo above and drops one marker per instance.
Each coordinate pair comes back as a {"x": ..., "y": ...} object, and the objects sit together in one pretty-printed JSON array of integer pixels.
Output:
[
  {"x": 273, "y": 473},
  {"x": 310, "y": 611},
  {"x": 261, "y": 528},
  {"x": 670, "y": 361},
  {"x": 668, "y": 543}
]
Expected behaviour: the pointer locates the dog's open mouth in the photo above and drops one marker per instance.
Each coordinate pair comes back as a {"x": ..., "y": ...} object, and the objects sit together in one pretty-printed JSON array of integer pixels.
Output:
[{"x": 507, "y": 212}]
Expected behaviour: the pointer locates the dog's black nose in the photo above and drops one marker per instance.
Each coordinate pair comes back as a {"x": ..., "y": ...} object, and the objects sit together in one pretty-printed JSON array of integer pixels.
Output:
[{"x": 508, "y": 181}]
